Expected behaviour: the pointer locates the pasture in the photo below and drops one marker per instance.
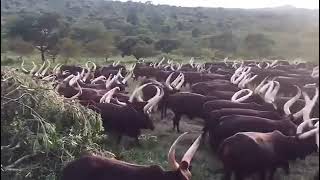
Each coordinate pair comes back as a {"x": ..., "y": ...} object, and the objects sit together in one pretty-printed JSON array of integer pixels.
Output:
[{"x": 56, "y": 131}]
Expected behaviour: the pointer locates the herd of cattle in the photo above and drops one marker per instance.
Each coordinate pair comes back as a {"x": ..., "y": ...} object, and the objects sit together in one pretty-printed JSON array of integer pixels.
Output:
[{"x": 258, "y": 115}]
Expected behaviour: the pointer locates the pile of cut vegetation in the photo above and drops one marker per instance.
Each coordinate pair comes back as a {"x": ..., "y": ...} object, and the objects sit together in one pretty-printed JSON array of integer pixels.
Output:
[{"x": 40, "y": 131}]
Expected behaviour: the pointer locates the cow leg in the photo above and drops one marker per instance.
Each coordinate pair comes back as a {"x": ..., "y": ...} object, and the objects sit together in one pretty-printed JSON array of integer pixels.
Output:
[
  {"x": 176, "y": 120},
  {"x": 119, "y": 139},
  {"x": 272, "y": 171}
]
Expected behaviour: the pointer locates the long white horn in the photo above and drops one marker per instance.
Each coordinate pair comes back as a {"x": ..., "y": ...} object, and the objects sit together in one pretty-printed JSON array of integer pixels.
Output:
[
  {"x": 120, "y": 103},
  {"x": 273, "y": 63},
  {"x": 74, "y": 80},
  {"x": 180, "y": 83},
  {"x": 309, "y": 104},
  {"x": 102, "y": 77},
  {"x": 310, "y": 133},
  {"x": 110, "y": 94},
  {"x": 175, "y": 82},
  {"x": 191, "y": 151},
  {"x": 22, "y": 67},
  {"x": 78, "y": 94},
  {"x": 243, "y": 98},
  {"x": 40, "y": 69},
  {"x": 46, "y": 69},
  {"x": 271, "y": 95},
  {"x": 290, "y": 102},
  {"x": 151, "y": 102},
  {"x": 134, "y": 93},
  {"x": 34, "y": 68},
  {"x": 168, "y": 81},
  {"x": 262, "y": 83},
  {"x": 172, "y": 153},
  {"x": 305, "y": 124}
]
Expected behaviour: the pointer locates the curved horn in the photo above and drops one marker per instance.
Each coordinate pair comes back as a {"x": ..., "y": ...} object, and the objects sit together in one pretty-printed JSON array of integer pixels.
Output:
[
  {"x": 262, "y": 83},
  {"x": 55, "y": 67},
  {"x": 168, "y": 81},
  {"x": 22, "y": 67},
  {"x": 271, "y": 95},
  {"x": 128, "y": 76},
  {"x": 34, "y": 68},
  {"x": 309, "y": 104},
  {"x": 305, "y": 124},
  {"x": 78, "y": 94},
  {"x": 172, "y": 153},
  {"x": 290, "y": 102},
  {"x": 243, "y": 98},
  {"x": 102, "y": 77},
  {"x": 134, "y": 93},
  {"x": 180, "y": 83},
  {"x": 151, "y": 102},
  {"x": 40, "y": 69},
  {"x": 273, "y": 63},
  {"x": 46, "y": 69},
  {"x": 110, "y": 93},
  {"x": 57, "y": 70},
  {"x": 175, "y": 82},
  {"x": 120, "y": 103},
  {"x": 191, "y": 151},
  {"x": 74, "y": 79},
  {"x": 308, "y": 134}
]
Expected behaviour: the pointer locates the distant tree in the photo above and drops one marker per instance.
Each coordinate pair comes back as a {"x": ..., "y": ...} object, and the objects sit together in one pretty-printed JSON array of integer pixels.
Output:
[
  {"x": 132, "y": 17},
  {"x": 42, "y": 31},
  {"x": 196, "y": 32},
  {"x": 126, "y": 46},
  {"x": 167, "y": 45},
  {"x": 98, "y": 47},
  {"x": 69, "y": 48},
  {"x": 223, "y": 42},
  {"x": 18, "y": 45},
  {"x": 142, "y": 50},
  {"x": 259, "y": 45},
  {"x": 89, "y": 32}
]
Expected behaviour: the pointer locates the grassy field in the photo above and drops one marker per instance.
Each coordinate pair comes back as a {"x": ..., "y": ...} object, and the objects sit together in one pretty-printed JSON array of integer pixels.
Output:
[{"x": 155, "y": 144}]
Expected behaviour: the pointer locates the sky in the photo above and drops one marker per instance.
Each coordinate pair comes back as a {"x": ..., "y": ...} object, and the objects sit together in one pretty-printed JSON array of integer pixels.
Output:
[{"x": 246, "y": 4}]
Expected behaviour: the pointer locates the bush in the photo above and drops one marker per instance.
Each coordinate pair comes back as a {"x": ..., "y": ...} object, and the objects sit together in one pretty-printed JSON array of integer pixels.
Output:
[
  {"x": 19, "y": 46},
  {"x": 41, "y": 132}
]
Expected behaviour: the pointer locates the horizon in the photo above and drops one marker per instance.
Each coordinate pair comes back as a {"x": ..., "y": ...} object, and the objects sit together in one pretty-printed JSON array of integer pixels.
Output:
[{"x": 243, "y": 4}]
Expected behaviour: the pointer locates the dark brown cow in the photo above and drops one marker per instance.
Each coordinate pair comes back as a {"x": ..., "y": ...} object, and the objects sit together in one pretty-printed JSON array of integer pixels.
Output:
[{"x": 99, "y": 168}]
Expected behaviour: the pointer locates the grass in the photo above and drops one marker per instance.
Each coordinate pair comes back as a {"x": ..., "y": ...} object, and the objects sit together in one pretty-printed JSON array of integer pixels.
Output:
[{"x": 154, "y": 144}]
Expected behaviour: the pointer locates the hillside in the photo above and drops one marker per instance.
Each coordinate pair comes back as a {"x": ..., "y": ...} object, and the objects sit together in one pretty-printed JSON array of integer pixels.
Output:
[{"x": 292, "y": 31}]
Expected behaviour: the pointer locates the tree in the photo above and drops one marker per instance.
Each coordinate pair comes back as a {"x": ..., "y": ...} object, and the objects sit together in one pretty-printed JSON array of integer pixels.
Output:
[
  {"x": 143, "y": 50},
  {"x": 167, "y": 45},
  {"x": 132, "y": 17},
  {"x": 259, "y": 44},
  {"x": 224, "y": 42},
  {"x": 98, "y": 47},
  {"x": 42, "y": 31},
  {"x": 69, "y": 48}
]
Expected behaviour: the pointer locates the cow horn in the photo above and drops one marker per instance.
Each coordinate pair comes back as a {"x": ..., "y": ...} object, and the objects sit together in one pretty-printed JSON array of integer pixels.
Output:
[
  {"x": 273, "y": 63},
  {"x": 128, "y": 76},
  {"x": 168, "y": 81},
  {"x": 115, "y": 63},
  {"x": 309, "y": 103},
  {"x": 78, "y": 94},
  {"x": 243, "y": 98},
  {"x": 55, "y": 67},
  {"x": 190, "y": 152},
  {"x": 34, "y": 68},
  {"x": 110, "y": 93},
  {"x": 74, "y": 79},
  {"x": 244, "y": 79},
  {"x": 172, "y": 155},
  {"x": 68, "y": 78},
  {"x": 180, "y": 83},
  {"x": 304, "y": 124},
  {"x": 175, "y": 82},
  {"x": 119, "y": 73},
  {"x": 248, "y": 80},
  {"x": 152, "y": 101},
  {"x": 40, "y": 69},
  {"x": 172, "y": 68},
  {"x": 102, "y": 99},
  {"x": 225, "y": 61},
  {"x": 22, "y": 67},
  {"x": 238, "y": 79},
  {"x": 120, "y": 103},
  {"x": 272, "y": 94},
  {"x": 262, "y": 83},
  {"x": 102, "y": 77},
  {"x": 136, "y": 91},
  {"x": 290, "y": 102},
  {"x": 57, "y": 70},
  {"x": 46, "y": 69},
  {"x": 310, "y": 133}
]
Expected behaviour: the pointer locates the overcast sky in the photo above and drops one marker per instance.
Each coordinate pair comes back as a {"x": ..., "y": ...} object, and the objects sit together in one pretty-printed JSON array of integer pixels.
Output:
[{"x": 310, "y": 4}]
